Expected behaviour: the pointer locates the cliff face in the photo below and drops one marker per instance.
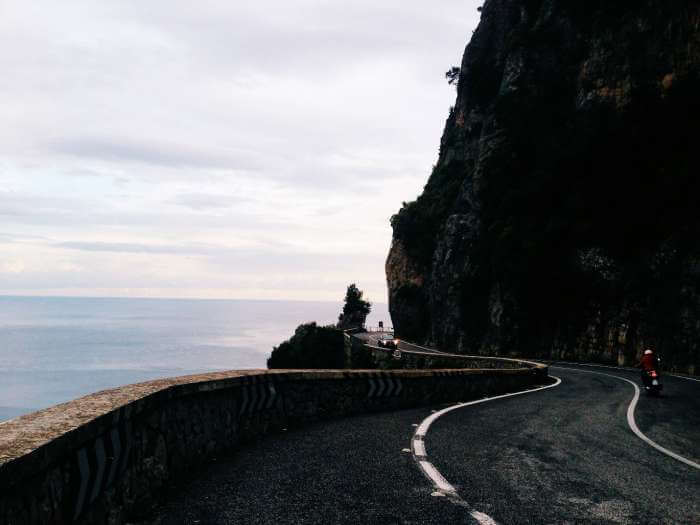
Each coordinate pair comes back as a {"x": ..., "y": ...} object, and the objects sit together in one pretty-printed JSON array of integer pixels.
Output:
[{"x": 562, "y": 218}]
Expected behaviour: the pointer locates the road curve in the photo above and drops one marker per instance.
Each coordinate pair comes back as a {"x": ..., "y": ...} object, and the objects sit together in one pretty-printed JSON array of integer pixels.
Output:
[{"x": 565, "y": 454}]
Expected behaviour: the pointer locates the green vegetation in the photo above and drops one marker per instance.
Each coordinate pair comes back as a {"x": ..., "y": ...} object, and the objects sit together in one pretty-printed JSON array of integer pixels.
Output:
[
  {"x": 452, "y": 76},
  {"x": 355, "y": 310},
  {"x": 311, "y": 346},
  {"x": 314, "y": 346}
]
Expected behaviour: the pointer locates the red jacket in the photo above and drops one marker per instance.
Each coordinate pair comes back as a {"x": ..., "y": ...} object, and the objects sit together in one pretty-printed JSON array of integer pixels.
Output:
[{"x": 648, "y": 362}]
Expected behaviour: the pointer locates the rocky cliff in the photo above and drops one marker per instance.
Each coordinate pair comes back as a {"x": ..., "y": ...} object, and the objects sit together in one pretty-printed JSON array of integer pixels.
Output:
[{"x": 562, "y": 217}]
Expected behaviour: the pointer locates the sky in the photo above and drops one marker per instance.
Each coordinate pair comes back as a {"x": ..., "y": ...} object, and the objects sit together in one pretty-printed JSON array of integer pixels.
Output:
[{"x": 249, "y": 150}]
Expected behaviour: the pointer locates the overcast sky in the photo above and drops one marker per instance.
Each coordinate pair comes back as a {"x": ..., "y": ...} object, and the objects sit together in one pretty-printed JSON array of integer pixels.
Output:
[{"x": 218, "y": 148}]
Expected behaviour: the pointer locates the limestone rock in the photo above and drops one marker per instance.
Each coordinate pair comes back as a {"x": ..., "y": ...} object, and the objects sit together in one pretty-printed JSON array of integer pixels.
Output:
[{"x": 561, "y": 218}]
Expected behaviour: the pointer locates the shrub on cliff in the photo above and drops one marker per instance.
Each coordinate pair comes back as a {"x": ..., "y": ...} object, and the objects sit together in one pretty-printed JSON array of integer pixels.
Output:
[{"x": 311, "y": 346}]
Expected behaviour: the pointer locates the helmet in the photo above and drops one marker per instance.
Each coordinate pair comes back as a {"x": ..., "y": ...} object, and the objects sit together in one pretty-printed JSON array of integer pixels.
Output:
[{"x": 648, "y": 351}]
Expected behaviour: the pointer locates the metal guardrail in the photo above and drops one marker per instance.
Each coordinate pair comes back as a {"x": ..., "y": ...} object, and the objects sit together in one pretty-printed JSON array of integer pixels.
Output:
[
  {"x": 385, "y": 329},
  {"x": 419, "y": 351}
]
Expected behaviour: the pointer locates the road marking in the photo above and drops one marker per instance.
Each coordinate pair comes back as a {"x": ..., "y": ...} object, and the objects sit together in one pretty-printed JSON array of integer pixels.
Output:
[
  {"x": 684, "y": 377},
  {"x": 482, "y": 518},
  {"x": 435, "y": 351},
  {"x": 624, "y": 369},
  {"x": 128, "y": 441},
  {"x": 437, "y": 478},
  {"x": 632, "y": 423},
  {"x": 244, "y": 403},
  {"x": 425, "y": 424},
  {"x": 262, "y": 393},
  {"x": 372, "y": 387},
  {"x": 384, "y": 386},
  {"x": 380, "y": 390},
  {"x": 116, "y": 447},
  {"x": 430, "y": 350},
  {"x": 101, "y": 457},
  {"x": 84, "y": 468},
  {"x": 420, "y": 455},
  {"x": 273, "y": 395}
]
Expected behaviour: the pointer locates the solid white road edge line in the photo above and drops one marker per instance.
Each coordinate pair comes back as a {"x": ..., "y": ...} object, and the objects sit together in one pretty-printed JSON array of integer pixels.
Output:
[
  {"x": 684, "y": 377},
  {"x": 622, "y": 369},
  {"x": 420, "y": 455},
  {"x": 482, "y": 518},
  {"x": 630, "y": 418}
]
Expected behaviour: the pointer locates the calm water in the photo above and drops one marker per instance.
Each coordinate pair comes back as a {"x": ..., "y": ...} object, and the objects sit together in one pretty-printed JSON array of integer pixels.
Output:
[{"x": 56, "y": 349}]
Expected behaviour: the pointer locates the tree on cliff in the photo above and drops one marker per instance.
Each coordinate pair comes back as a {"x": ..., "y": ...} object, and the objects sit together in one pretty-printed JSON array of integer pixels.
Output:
[
  {"x": 314, "y": 346},
  {"x": 355, "y": 310},
  {"x": 311, "y": 346}
]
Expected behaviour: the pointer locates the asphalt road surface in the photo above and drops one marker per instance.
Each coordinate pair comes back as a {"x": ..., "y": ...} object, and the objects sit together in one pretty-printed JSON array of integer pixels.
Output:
[{"x": 565, "y": 454}]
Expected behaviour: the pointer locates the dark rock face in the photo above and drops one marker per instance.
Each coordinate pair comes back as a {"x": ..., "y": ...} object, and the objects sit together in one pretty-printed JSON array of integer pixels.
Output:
[{"x": 562, "y": 217}]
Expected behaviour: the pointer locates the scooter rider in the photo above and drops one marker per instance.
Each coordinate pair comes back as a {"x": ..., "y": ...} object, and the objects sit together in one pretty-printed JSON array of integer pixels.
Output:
[{"x": 648, "y": 363}]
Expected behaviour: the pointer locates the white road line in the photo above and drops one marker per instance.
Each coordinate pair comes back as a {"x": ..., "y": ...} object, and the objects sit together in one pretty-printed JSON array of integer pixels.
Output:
[
  {"x": 624, "y": 369},
  {"x": 482, "y": 518},
  {"x": 630, "y": 418},
  {"x": 425, "y": 424},
  {"x": 437, "y": 478},
  {"x": 419, "y": 447},
  {"x": 684, "y": 377},
  {"x": 420, "y": 455},
  {"x": 431, "y": 350}
]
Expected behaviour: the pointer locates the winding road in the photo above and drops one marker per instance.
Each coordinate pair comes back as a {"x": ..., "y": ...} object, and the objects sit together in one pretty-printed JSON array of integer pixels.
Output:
[{"x": 563, "y": 454}]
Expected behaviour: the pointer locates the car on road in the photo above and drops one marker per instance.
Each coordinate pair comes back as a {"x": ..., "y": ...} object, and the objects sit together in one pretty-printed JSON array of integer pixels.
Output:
[{"x": 387, "y": 341}]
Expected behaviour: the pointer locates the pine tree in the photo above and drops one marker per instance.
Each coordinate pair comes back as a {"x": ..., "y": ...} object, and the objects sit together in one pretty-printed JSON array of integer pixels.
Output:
[{"x": 355, "y": 309}]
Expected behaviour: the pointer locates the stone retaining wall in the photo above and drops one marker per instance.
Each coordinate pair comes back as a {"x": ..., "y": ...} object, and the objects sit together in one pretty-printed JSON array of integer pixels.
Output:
[{"x": 105, "y": 458}]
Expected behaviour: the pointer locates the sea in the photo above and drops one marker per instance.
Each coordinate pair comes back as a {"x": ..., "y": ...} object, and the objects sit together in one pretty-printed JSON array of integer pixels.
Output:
[{"x": 54, "y": 349}]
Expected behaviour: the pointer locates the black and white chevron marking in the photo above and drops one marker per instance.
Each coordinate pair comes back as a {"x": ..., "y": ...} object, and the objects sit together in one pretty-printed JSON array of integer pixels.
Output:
[
  {"x": 384, "y": 387},
  {"x": 98, "y": 463},
  {"x": 257, "y": 396}
]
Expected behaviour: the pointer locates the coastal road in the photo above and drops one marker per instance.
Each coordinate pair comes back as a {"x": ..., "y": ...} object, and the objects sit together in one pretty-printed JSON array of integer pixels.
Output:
[
  {"x": 564, "y": 454},
  {"x": 372, "y": 338}
]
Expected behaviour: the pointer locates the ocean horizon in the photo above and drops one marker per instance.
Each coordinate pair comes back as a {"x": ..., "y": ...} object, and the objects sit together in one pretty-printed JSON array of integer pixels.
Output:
[{"x": 54, "y": 349}]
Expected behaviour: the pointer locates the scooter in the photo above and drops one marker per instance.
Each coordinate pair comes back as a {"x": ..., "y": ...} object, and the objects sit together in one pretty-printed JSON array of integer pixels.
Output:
[{"x": 652, "y": 382}]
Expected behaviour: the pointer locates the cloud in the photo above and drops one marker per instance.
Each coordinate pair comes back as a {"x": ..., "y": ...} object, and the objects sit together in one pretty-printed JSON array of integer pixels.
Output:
[
  {"x": 206, "y": 201},
  {"x": 13, "y": 238},
  {"x": 21, "y": 206},
  {"x": 12, "y": 266},
  {"x": 251, "y": 147},
  {"x": 120, "y": 150},
  {"x": 126, "y": 247}
]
